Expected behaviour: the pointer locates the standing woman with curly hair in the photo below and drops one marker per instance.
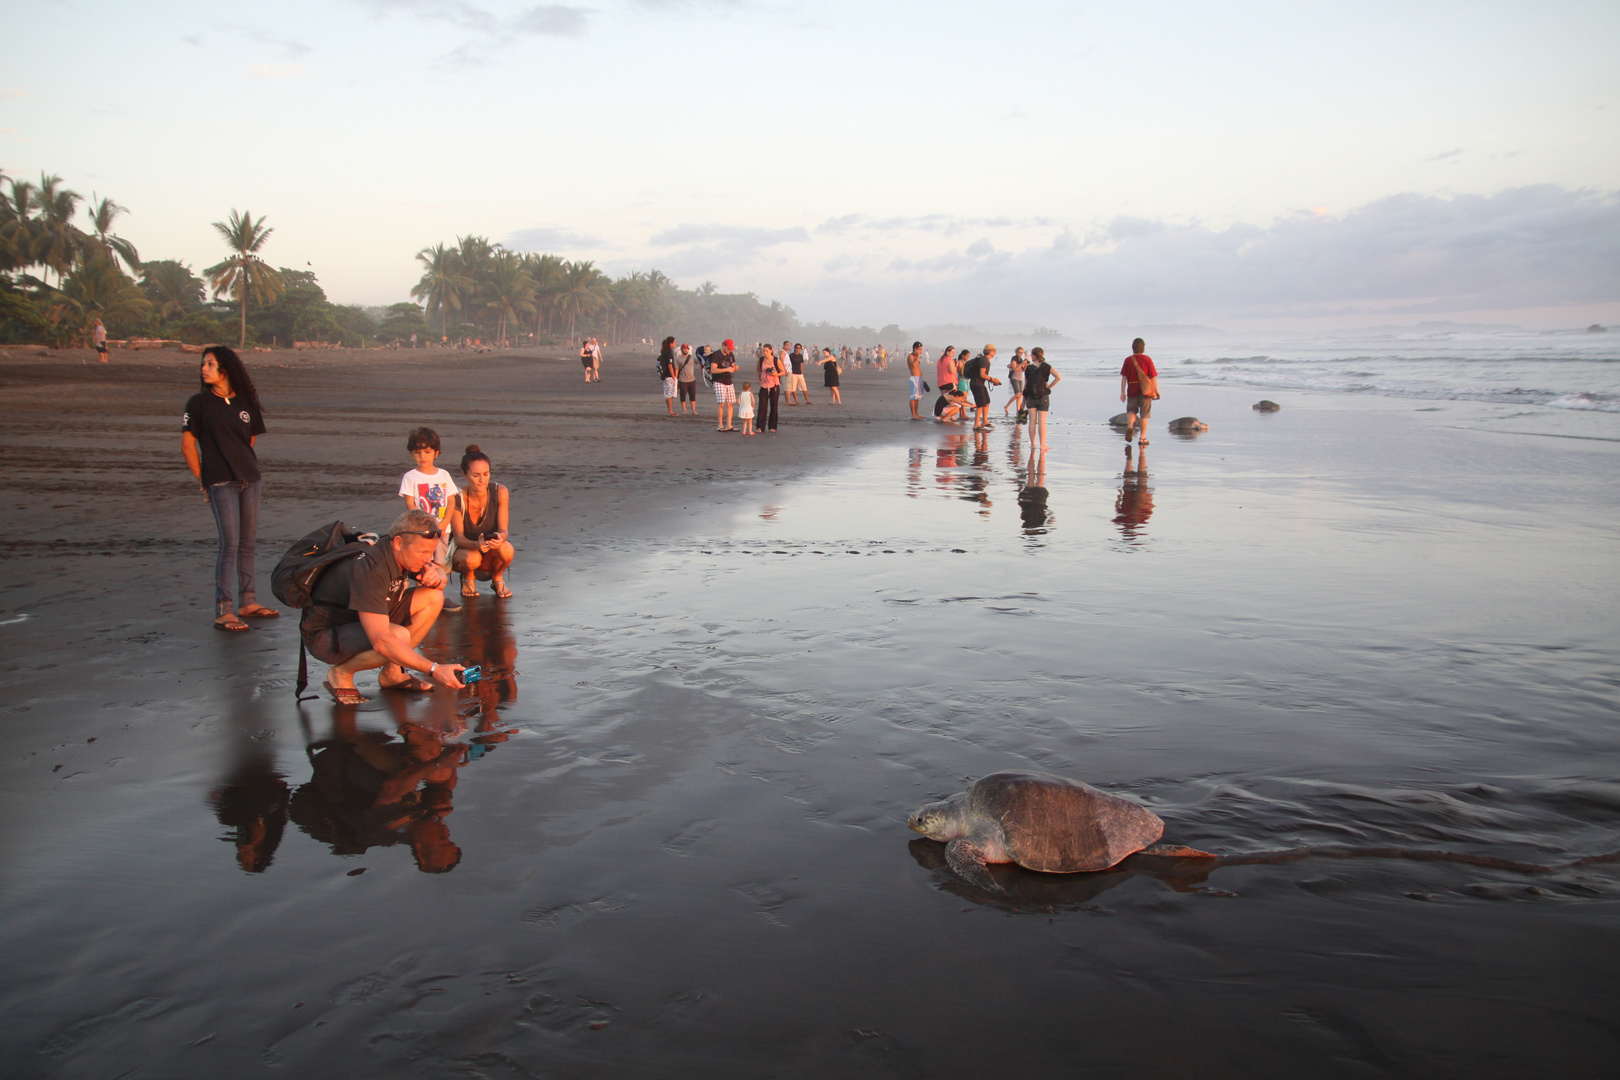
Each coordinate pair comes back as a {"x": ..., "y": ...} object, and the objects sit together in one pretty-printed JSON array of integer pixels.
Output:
[{"x": 220, "y": 424}]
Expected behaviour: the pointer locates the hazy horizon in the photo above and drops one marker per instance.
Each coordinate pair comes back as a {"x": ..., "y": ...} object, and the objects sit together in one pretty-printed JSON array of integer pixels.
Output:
[{"x": 1255, "y": 168}]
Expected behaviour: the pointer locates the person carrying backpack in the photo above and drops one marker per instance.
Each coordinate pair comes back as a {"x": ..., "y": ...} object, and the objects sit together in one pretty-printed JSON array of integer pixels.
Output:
[{"x": 363, "y": 611}]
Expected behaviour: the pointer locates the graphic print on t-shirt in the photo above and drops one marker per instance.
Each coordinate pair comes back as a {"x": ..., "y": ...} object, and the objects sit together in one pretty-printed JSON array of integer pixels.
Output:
[{"x": 432, "y": 498}]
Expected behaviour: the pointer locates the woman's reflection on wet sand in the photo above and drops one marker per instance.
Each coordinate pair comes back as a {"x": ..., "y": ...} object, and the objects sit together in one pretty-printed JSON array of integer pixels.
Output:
[
  {"x": 1032, "y": 510},
  {"x": 1134, "y": 505},
  {"x": 252, "y": 803}
]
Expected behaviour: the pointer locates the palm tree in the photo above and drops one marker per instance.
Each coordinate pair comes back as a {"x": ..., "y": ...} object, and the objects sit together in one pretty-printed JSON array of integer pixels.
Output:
[
  {"x": 444, "y": 282},
  {"x": 581, "y": 292},
  {"x": 96, "y": 288},
  {"x": 244, "y": 273},
  {"x": 508, "y": 290},
  {"x": 172, "y": 287},
  {"x": 102, "y": 216},
  {"x": 547, "y": 273},
  {"x": 57, "y": 242}
]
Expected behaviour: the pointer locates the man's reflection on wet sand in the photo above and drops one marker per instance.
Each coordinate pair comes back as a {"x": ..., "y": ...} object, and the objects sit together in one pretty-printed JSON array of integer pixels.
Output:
[
  {"x": 1134, "y": 505},
  {"x": 1032, "y": 509},
  {"x": 375, "y": 789},
  {"x": 371, "y": 789}
]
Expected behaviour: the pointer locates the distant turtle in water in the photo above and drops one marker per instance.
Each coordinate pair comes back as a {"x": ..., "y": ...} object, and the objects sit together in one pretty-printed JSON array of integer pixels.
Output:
[
  {"x": 1187, "y": 425},
  {"x": 1120, "y": 420},
  {"x": 1266, "y": 406},
  {"x": 1040, "y": 822}
]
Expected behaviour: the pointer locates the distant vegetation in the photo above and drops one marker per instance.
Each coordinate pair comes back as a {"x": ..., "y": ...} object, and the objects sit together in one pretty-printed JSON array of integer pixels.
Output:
[{"x": 63, "y": 266}]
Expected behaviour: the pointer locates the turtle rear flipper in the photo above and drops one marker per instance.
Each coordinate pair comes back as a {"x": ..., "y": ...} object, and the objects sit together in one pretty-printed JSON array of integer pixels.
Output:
[
  {"x": 1176, "y": 851},
  {"x": 967, "y": 858}
]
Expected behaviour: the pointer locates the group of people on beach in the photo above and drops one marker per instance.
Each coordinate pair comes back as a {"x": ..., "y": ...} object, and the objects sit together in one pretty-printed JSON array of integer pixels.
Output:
[
  {"x": 964, "y": 382},
  {"x": 372, "y": 610},
  {"x": 375, "y": 609},
  {"x": 778, "y": 373}
]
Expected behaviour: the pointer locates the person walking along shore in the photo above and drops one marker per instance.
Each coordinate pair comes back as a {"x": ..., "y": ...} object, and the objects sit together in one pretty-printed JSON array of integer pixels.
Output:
[{"x": 1138, "y": 369}]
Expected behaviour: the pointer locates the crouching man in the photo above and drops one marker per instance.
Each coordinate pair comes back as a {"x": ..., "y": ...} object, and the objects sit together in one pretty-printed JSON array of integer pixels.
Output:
[{"x": 366, "y": 613}]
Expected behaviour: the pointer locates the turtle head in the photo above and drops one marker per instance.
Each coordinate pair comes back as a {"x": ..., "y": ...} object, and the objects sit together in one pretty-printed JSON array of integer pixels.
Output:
[{"x": 939, "y": 820}]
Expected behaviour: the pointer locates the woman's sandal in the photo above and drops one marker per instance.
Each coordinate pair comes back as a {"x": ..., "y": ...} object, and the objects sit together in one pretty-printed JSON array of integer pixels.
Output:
[
  {"x": 258, "y": 611},
  {"x": 469, "y": 590},
  {"x": 345, "y": 695},
  {"x": 502, "y": 591},
  {"x": 229, "y": 621},
  {"x": 409, "y": 685}
]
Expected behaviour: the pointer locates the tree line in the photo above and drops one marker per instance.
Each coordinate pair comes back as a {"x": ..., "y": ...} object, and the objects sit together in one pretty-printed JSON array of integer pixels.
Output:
[{"x": 63, "y": 266}]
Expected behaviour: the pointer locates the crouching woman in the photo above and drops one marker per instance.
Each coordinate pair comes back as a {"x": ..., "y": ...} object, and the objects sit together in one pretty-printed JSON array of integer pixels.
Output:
[
  {"x": 373, "y": 610},
  {"x": 479, "y": 523}
]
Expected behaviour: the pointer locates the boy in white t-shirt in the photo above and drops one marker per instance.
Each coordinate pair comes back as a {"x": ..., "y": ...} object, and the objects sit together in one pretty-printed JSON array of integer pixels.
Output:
[{"x": 430, "y": 488}]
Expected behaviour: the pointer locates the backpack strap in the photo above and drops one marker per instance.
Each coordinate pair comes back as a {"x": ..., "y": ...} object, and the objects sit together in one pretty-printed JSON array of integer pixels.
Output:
[{"x": 303, "y": 671}]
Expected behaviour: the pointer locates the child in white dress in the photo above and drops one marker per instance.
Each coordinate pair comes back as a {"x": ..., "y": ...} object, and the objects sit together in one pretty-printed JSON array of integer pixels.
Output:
[{"x": 745, "y": 409}]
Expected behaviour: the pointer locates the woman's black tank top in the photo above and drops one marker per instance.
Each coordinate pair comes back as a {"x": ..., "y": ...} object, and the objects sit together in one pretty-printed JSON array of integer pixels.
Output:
[{"x": 486, "y": 526}]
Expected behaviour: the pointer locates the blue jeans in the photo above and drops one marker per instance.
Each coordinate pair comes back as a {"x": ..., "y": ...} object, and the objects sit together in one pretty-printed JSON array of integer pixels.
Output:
[{"x": 236, "y": 513}]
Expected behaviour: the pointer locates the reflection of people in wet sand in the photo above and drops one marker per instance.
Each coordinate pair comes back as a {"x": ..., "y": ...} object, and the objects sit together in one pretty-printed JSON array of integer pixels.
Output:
[
  {"x": 1032, "y": 499},
  {"x": 1135, "y": 503},
  {"x": 370, "y": 790},
  {"x": 494, "y": 650},
  {"x": 478, "y": 521},
  {"x": 252, "y": 803}
]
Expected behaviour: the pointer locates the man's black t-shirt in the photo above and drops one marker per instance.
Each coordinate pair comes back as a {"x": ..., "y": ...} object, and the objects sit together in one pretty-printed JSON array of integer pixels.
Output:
[
  {"x": 797, "y": 360},
  {"x": 224, "y": 432},
  {"x": 371, "y": 581},
  {"x": 977, "y": 369},
  {"x": 666, "y": 365},
  {"x": 725, "y": 359}
]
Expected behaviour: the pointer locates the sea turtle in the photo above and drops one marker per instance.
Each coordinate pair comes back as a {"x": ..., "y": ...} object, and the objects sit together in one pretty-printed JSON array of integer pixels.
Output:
[
  {"x": 1267, "y": 406},
  {"x": 1187, "y": 425},
  {"x": 1120, "y": 420},
  {"x": 1039, "y": 821}
]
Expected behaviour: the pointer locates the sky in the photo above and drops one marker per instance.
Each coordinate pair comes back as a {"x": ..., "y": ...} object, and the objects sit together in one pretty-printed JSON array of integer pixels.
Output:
[{"x": 1024, "y": 163}]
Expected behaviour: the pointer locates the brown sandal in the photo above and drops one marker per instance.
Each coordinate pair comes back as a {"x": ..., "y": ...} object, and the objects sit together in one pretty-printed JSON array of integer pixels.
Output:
[
  {"x": 229, "y": 621},
  {"x": 258, "y": 611},
  {"x": 345, "y": 695}
]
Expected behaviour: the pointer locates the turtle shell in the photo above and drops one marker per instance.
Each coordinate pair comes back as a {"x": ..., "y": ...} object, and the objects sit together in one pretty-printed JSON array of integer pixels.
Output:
[{"x": 1062, "y": 826}]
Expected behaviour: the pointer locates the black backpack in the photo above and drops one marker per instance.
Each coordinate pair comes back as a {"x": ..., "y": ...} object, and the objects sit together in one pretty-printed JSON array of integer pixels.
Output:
[{"x": 293, "y": 579}]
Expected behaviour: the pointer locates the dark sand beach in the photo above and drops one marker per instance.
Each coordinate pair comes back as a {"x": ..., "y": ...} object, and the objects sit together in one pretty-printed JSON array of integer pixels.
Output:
[{"x": 1362, "y": 651}]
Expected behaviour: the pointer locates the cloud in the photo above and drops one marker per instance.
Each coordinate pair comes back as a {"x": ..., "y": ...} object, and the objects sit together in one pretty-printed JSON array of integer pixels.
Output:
[
  {"x": 1539, "y": 246},
  {"x": 275, "y": 71},
  {"x": 703, "y": 249},
  {"x": 550, "y": 238},
  {"x": 7, "y": 92},
  {"x": 493, "y": 30},
  {"x": 290, "y": 49},
  {"x": 1445, "y": 156}
]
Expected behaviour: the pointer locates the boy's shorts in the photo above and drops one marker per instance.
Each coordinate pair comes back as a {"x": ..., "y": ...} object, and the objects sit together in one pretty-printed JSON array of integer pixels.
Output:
[
  {"x": 1139, "y": 405},
  {"x": 916, "y": 388}
]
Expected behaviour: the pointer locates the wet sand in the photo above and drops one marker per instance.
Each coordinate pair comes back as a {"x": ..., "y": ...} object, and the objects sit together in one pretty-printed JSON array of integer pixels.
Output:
[{"x": 673, "y": 843}]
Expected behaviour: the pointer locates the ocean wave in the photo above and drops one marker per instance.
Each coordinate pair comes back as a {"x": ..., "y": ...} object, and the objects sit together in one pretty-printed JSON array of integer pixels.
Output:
[{"x": 1587, "y": 402}]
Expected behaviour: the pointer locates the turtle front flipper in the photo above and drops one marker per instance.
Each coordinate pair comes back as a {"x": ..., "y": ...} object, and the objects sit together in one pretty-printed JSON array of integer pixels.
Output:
[{"x": 966, "y": 857}]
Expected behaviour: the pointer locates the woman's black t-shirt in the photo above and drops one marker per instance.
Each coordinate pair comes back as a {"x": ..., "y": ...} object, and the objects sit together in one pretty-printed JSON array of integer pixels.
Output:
[
  {"x": 224, "y": 432},
  {"x": 1035, "y": 377}
]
